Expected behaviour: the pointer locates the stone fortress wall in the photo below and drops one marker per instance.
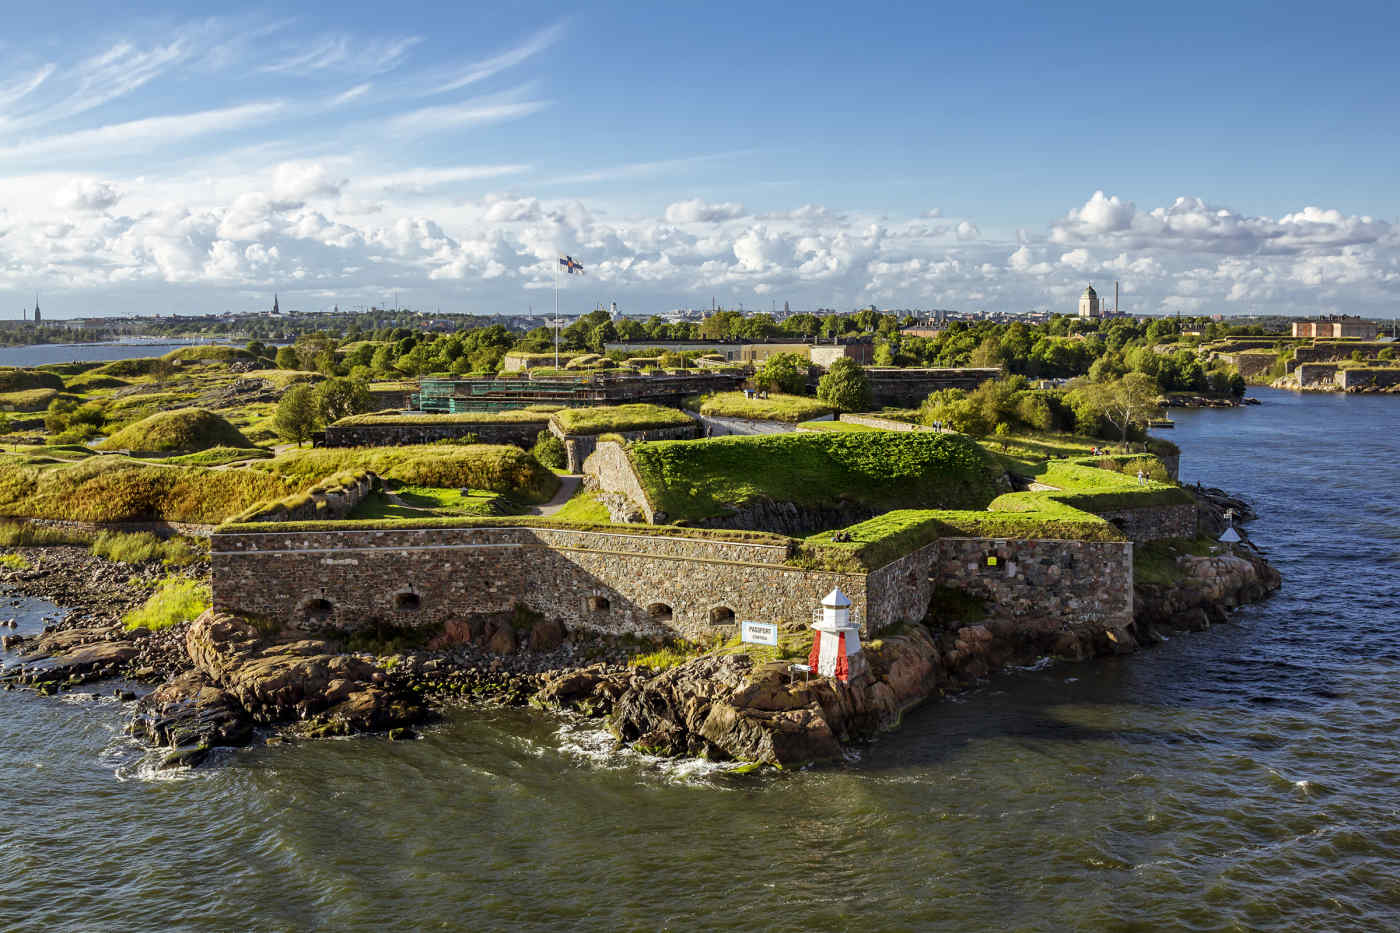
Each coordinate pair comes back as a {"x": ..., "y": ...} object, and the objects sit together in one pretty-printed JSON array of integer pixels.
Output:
[{"x": 642, "y": 584}]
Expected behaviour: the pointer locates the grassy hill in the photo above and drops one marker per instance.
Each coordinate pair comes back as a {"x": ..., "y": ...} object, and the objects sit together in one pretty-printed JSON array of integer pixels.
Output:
[
  {"x": 181, "y": 430},
  {"x": 498, "y": 468},
  {"x": 692, "y": 480}
]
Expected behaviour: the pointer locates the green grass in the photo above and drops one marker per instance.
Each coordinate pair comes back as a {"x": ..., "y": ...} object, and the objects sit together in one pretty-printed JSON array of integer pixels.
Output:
[
  {"x": 206, "y": 353},
  {"x": 143, "y": 547},
  {"x": 495, "y": 467},
  {"x": 92, "y": 382},
  {"x": 185, "y": 429},
  {"x": 584, "y": 507},
  {"x": 1099, "y": 490},
  {"x": 15, "y": 562},
  {"x": 175, "y": 600},
  {"x": 638, "y": 417},
  {"x": 27, "y": 400},
  {"x": 837, "y": 427},
  {"x": 218, "y": 456},
  {"x": 467, "y": 417},
  {"x": 691, "y": 480},
  {"x": 776, "y": 407},
  {"x": 112, "y": 489},
  {"x": 887, "y": 537},
  {"x": 13, "y": 379},
  {"x": 25, "y": 534},
  {"x": 425, "y": 501}
]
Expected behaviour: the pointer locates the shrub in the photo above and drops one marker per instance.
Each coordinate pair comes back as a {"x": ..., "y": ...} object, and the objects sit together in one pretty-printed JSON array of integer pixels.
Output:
[
  {"x": 549, "y": 451},
  {"x": 297, "y": 415},
  {"x": 783, "y": 372},
  {"x": 15, "y": 380},
  {"x": 175, "y": 600},
  {"x": 14, "y": 562},
  {"x": 184, "y": 429},
  {"x": 844, "y": 386}
]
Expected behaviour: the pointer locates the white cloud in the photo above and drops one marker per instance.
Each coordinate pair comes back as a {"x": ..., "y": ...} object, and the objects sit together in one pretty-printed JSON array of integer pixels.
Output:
[
  {"x": 302, "y": 181},
  {"x": 508, "y": 59},
  {"x": 86, "y": 194},
  {"x": 479, "y": 112},
  {"x": 696, "y": 211}
]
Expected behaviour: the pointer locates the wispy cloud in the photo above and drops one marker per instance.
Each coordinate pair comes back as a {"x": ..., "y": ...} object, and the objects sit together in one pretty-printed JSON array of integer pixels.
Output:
[
  {"x": 356, "y": 92},
  {"x": 424, "y": 178},
  {"x": 341, "y": 53},
  {"x": 490, "y": 67},
  {"x": 21, "y": 88},
  {"x": 643, "y": 169},
  {"x": 142, "y": 132},
  {"x": 476, "y": 112}
]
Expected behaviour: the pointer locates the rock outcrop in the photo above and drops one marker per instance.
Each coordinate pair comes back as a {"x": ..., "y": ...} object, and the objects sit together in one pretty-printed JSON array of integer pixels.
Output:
[
  {"x": 242, "y": 679},
  {"x": 1207, "y": 589}
]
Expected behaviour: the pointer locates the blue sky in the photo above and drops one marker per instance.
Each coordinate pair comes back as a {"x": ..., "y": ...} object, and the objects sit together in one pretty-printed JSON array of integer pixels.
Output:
[{"x": 1229, "y": 158}]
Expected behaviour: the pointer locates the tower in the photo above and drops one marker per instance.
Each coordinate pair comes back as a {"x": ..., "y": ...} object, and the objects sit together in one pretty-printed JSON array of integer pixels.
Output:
[
  {"x": 37, "y": 316},
  {"x": 275, "y": 309},
  {"x": 1115, "y": 297},
  {"x": 1089, "y": 303}
]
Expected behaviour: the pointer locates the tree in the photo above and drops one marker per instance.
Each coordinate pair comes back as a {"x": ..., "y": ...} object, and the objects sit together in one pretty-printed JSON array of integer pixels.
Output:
[
  {"x": 1123, "y": 401},
  {"x": 296, "y": 417},
  {"x": 338, "y": 398},
  {"x": 783, "y": 372},
  {"x": 287, "y": 358},
  {"x": 844, "y": 386}
]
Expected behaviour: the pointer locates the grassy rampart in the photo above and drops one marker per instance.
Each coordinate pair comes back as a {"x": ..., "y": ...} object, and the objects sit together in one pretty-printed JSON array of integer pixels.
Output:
[
  {"x": 520, "y": 416},
  {"x": 496, "y": 467},
  {"x": 776, "y": 407},
  {"x": 181, "y": 430},
  {"x": 611, "y": 418},
  {"x": 691, "y": 480}
]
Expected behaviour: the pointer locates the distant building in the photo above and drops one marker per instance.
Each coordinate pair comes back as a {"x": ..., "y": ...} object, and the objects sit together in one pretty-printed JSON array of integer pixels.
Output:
[
  {"x": 1089, "y": 304},
  {"x": 275, "y": 308},
  {"x": 1336, "y": 325}
]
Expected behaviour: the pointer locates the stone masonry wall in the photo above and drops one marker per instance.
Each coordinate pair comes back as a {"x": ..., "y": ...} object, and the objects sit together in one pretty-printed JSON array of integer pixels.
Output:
[
  {"x": 639, "y": 584},
  {"x": 884, "y": 424},
  {"x": 612, "y": 470},
  {"x": 1154, "y": 523},
  {"x": 1353, "y": 379},
  {"x": 578, "y": 447},
  {"x": 608, "y": 582},
  {"x": 1073, "y": 581},
  {"x": 390, "y": 434}
]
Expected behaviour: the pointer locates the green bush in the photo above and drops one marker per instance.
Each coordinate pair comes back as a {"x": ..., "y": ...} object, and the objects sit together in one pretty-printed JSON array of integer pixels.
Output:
[
  {"x": 175, "y": 600},
  {"x": 14, "y": 379},
  {"x": 549, "y": 451}
]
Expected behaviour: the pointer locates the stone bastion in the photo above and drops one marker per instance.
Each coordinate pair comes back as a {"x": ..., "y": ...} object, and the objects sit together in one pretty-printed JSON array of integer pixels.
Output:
[{"x": 357, "y": 578}]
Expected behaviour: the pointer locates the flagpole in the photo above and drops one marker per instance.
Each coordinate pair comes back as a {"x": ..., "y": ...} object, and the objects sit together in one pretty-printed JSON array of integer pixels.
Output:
[{"x": 556, "y": 314}]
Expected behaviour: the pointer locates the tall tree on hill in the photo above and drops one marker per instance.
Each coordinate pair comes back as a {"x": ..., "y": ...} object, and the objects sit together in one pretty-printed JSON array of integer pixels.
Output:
[
  {"x": 296, "y": 417},
  {"x": 1124, "y": 401},
  {"x": 339, "y": 398}
]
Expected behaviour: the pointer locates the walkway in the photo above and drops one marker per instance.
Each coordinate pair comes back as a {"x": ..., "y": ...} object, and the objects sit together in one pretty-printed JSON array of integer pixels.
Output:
[{"x": 568, "y": 485}]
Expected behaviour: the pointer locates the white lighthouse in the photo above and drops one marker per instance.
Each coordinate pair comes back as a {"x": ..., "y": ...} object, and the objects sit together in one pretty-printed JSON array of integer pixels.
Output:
[{"x": 836, "y": 642}]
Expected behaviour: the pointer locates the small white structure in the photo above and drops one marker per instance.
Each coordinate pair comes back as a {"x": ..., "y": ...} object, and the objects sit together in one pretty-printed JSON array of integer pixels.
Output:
[{"x": 836, "y": 642}]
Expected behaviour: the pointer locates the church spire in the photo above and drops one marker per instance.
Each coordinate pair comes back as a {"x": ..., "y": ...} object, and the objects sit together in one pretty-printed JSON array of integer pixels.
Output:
[{"x": 275, "y": 309}]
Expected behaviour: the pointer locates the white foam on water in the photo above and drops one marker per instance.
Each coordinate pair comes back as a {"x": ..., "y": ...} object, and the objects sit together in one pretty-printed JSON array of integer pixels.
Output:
[{"x": 584, "y": 741}]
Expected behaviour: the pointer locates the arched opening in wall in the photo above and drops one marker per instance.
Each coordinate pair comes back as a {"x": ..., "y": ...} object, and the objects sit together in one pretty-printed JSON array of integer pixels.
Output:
[
  {"x": 598, "y": 604},
  {"x": 721, "y": 615},
  {"x": 407, "y": 602},
  {"x": 659, "y": 612},
  {"x": 318, "y": 611}
]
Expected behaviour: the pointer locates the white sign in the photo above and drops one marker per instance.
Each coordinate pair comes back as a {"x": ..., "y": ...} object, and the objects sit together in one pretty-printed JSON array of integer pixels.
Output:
[{"x": 759, "y": 633}]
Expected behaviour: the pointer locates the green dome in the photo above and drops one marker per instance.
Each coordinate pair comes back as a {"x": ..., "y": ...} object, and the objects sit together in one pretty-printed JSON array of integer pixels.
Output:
[{"x": 1090, "y": 293}]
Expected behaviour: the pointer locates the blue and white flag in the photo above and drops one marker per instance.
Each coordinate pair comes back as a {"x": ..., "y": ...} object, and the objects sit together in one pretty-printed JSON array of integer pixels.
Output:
[{"x": 571, "y": 264}]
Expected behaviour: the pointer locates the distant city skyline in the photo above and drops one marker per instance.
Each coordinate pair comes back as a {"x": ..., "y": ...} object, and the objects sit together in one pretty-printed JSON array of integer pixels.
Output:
[{"x": 1228, "y": 158}]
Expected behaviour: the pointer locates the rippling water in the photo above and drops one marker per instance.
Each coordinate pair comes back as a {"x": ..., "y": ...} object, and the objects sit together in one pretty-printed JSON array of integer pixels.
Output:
[{"x": 1243, "y": 778}]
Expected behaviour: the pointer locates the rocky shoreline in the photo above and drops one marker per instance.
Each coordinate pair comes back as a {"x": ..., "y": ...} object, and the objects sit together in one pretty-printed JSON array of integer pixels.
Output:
[{"x": 220, "y": 681}]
